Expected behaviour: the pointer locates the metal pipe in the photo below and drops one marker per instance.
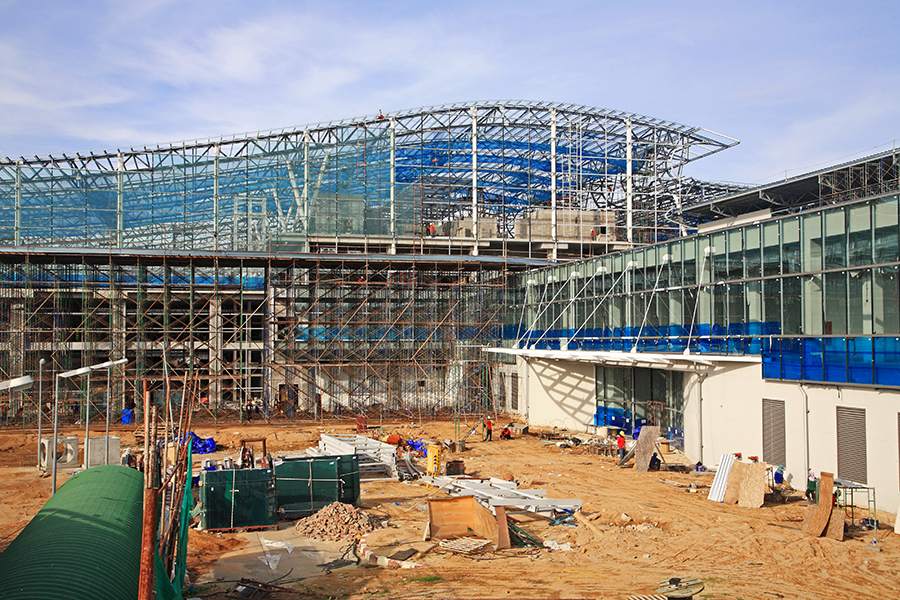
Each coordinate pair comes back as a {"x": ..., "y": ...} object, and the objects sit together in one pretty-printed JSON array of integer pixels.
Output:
[
  {"x": 39, "y": 404},
  {"x": 805, "y": 426},
  {"x": 106, "y": 452},
  {"x": 87, "y": 424},
  {"x": 147, "y": 580},
  {"x": 52, "y": 449}
]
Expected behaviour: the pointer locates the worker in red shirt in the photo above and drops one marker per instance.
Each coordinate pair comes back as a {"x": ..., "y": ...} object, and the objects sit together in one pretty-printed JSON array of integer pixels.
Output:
[
  {"x": 620, "y": 443},
  {"x": 488, "y": 429}
]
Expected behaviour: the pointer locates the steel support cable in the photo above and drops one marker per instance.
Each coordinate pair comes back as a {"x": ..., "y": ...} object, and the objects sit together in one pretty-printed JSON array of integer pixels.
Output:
[
  {"x": 665, "y": 261},
  {"x": 602, "y": 300},
  {"x": 572, "y": 301}
]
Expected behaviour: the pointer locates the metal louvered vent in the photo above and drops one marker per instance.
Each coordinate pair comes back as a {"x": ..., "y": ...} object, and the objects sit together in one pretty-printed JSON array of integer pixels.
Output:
[
  {"x": 514, "y": 391},
  {"x": 773, "y": 432},
  {"x": 851, "y": 444}
]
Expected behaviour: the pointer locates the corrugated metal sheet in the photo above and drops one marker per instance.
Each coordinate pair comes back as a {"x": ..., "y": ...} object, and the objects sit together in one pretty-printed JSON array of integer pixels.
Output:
[
  {"x": 717, "y": 490},
  {"x": 84, "y": 543},
  {"x": 851, "y": 444}
]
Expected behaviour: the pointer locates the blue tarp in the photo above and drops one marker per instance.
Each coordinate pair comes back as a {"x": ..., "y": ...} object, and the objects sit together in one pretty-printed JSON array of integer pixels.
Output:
[{"x": 201, "y": 446}]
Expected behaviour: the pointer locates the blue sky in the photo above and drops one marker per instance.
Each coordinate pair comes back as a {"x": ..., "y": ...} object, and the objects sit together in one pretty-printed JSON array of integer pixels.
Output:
[{"x": 802, "y": 84}]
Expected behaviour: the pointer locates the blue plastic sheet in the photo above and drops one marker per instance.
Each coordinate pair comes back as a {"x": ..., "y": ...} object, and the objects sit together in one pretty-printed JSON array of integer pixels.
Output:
[{"x": 201, "y": 446}]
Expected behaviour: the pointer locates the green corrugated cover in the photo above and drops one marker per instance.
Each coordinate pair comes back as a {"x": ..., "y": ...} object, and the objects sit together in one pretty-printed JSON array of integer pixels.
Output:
[{"x": 84, "y": 543}]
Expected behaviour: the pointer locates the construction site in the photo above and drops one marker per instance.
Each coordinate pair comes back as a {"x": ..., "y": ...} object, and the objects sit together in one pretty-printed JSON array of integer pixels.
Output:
[{"x": 348, "y": 279}]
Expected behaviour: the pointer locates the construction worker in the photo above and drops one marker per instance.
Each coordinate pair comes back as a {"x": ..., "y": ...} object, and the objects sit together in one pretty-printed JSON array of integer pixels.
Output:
[
  {"x": 505, "y": 433},
  {"x": 620, "y": 444},
  {"x": 431, "y": 229},
  {"x": 488, "y": 429}
]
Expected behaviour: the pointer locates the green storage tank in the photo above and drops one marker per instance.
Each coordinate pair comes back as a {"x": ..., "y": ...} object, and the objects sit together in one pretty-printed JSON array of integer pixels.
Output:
[
  {"x": 84, "y": 543},
  {"x": 237, "y": 499}
]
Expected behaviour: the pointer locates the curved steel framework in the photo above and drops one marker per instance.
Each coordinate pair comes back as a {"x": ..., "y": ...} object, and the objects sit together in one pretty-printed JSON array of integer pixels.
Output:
[
  {"x": 297, "y": 268},
  {"x": 498, "y": 170}
]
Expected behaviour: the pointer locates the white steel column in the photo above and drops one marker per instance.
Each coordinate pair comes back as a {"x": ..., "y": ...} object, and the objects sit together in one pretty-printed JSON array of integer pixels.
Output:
[
  {"x": 553, "y": 183},
  {"x": 304, "y": 210},
  {"x": 18, "y": 212},
  {"x": 120, "y": 200},
  {"x": 629, "y": 184},
  {"x": 475, "y": 180},
  {"x": 393, "y": 185},
  {"x": 216, "y": 198}
]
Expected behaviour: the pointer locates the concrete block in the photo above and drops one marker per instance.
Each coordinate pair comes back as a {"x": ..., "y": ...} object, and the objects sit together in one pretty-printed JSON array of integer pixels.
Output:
[
  {"x": 67, "y": 452},
  {"x": 97, "y": 446}
]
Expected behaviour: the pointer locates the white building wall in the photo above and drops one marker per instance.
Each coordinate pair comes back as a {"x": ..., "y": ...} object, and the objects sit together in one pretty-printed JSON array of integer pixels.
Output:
[
  {"x": 558, "y": 393},
  {"x": 562, "y": 394}
]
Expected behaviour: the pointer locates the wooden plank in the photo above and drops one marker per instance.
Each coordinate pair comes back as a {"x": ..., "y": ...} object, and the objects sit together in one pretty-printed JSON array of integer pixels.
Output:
[
  {"x": 835, "y": 529},
  {"x": 450, "y": 517},
  {"x": 645, "y": 447},
  {"x": 502, "y": 529},
  {"x": 753, "y": 487},
  {"x": 579, "y": 516},
  {"x": 816, "y": 525},
  {"x": 736, "y": 477}
]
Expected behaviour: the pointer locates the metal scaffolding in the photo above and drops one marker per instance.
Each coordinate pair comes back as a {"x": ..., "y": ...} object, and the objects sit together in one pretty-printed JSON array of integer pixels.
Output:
[{"x": 350, "y": 265}]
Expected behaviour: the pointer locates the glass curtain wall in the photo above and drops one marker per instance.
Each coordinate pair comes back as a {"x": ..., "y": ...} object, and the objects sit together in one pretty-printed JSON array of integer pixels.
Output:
[{"x": 816, "y": 294}]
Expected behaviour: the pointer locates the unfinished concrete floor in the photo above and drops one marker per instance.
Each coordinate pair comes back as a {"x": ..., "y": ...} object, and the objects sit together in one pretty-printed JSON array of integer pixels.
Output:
[{"x": 651, "y": 531}]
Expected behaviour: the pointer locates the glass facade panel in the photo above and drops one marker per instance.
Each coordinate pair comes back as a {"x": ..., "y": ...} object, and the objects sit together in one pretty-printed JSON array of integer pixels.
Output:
[
  {"x": 886, "y": 231},
  {"x": 835, "y": 355},
  {"x": 859, "y": 305},
  {"x": 859, "y": 238},
  {"x": 735, "y": 254},
  {"x": 860, "y": 360},
  {"x": 771, "y": 307},
  {"x": 790, "y": 245},
  {"x": 812, "y": 243},
  {"x": 835, "y": 304},
  {"x": 802, "y": 291},
  {"x": 887, "y": 361},
  {"x": 886, "y": 300},
  {"x": 752, "y": 252},
  {"x": 771, "y": 250},
  {"x": 835, "y": 240},
  {"x": 791, "y": 305},
  {"x": 813, "y": 304}
]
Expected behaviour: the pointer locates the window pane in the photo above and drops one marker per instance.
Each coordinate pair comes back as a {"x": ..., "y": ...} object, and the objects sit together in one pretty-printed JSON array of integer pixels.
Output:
[
  {"x": 886, "y": 234},
  {"x": 860, "y": 302},
  {"x": 812, "y": 243},
  {"x": 735, "y": 254},
  {"x": 792, "y": 307},
  {"x": 835, "y": 304},
  {"x": 772, "y": 307},
  {"x": 860, "y": 235},
  {"x": 790, "y": 245},
  {"x": 719, "y": 263},
  {"x": 752, "y": 260},
  {"x": 886, "y": 301},
  {"x": 813, "y": 295},
  {"x": 835, "y": 240},
  {"x": 771, "y": 250},
  {"x": 690, "y": 262}
]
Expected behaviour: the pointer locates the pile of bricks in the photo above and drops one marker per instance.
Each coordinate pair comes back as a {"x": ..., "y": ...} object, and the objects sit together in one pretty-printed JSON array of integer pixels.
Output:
[{"x": 337, "y": 522}]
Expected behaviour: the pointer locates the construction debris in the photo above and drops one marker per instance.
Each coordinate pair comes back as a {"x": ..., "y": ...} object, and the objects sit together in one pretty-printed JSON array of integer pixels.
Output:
[
  {"x": 495, "y": 493},
  {"x": 464, "y": 545},
  {"x": 337, "y": 522},
  {"x": 374, "y": 456}
]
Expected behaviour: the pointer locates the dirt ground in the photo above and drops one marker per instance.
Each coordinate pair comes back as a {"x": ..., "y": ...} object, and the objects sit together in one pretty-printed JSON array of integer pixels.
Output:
[{"x": 652, "y": 530}]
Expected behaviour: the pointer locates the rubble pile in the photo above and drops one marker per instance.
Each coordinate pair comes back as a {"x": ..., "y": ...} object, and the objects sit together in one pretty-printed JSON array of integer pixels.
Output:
[{"x": 337, "y": 522}]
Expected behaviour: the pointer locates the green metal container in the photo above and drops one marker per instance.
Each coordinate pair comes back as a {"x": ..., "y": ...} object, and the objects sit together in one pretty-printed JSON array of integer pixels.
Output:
[
  {"x": 307, "y": 484},
  {"x": 237, "y": 499}
]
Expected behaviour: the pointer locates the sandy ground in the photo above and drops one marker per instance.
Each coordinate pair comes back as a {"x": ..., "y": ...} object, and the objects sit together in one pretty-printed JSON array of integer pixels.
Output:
[{"x": 651, "y": 530}]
